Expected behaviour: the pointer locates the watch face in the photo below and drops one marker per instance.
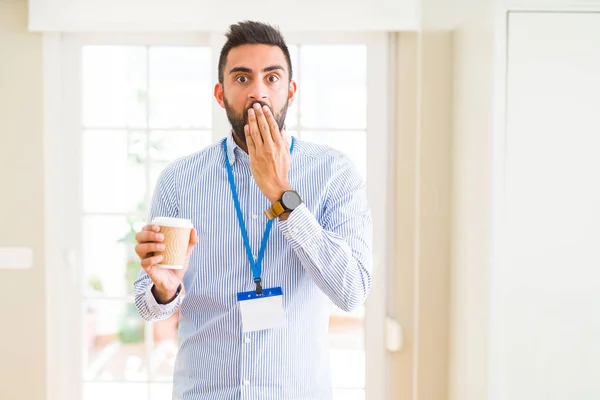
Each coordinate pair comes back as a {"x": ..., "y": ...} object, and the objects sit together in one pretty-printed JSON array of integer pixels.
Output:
[{"x": 291, "y": 200}]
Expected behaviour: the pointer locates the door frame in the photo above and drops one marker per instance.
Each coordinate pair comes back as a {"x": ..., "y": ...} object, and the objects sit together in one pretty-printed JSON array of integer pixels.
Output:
[{"x": 62, "y": 202}]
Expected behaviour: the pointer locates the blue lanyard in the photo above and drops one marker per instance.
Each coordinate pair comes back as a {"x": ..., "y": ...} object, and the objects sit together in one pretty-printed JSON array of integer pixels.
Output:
[{"x": 254, "y": 265}]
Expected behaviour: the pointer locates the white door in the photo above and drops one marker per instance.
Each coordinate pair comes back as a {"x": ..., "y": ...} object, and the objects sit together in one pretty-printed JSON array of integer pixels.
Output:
[
  {"x": 548, "y": 313},
  {"x": 133, "y": 104}
]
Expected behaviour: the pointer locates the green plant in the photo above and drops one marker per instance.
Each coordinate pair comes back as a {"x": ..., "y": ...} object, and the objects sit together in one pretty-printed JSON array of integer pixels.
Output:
[
  {"x": 96, "y": 284},
  {"x": 131, "y": 328}
]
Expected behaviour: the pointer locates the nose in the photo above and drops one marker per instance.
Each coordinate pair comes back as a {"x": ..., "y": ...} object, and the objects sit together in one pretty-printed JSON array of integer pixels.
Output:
[{"x": 258, "y": 91}]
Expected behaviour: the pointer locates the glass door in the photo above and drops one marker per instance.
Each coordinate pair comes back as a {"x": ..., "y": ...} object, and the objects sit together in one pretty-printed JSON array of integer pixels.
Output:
[{"x": 135, "y": 104}]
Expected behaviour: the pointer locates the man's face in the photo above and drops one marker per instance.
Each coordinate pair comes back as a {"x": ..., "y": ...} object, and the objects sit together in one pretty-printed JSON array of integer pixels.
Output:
[{"x": 255, "y": 73}]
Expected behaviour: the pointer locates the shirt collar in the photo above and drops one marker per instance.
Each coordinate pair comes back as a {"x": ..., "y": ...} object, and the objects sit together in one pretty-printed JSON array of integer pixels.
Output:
[{"x": 232, "y": 145}]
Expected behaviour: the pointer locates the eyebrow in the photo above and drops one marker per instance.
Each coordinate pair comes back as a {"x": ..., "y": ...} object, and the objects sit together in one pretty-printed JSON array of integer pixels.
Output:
[{"x": 249, "y": 71}]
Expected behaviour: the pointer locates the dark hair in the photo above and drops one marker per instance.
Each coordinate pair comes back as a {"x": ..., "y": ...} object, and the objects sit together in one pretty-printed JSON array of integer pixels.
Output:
[{"x": 251, "y": 32}]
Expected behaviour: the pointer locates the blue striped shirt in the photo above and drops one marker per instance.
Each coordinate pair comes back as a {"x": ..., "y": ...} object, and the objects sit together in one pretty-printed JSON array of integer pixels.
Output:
[{"x": 321, "y": 254}]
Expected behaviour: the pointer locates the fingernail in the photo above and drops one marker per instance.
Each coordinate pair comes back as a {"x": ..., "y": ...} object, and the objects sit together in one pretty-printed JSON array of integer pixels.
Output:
[
  {"x": 156, "y": 228},
  {"x": 160, "y": 236},
  {"x": 266, "y": 108},
  {"x": 160, "y": 247},
  {"x": 251, "y": 112},
  {"x": 257, "y": 106}
]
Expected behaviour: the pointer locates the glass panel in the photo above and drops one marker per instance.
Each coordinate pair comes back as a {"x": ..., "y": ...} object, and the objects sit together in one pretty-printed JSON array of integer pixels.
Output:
[
  {"x": 114, "y": 178},
  {"x": 346, "y": 344},
  {"x": 114, "y": 86},
  {"x": 180, "y": 87},
  {"x": 351, "y": 143},
  {"x": 349, "y": 394},
  {"x": 166, "y": 147},
  {"x": 333, "y": 80},
  {"x": 115, "y": 391},
  {"x": 161, "y": 391},
  {"x": 291, "y": 120},
  {"x": 165, "y": 348},
  {"x": 114, "y": 340},
  {"x": 114, "y": 272}
]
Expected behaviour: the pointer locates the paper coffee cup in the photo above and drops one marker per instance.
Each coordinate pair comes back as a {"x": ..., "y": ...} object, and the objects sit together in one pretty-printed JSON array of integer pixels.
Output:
[{"x": 177, "y": 238}]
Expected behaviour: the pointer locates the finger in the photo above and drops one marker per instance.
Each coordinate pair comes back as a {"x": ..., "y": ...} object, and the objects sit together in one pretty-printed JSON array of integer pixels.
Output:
[
  {"x": 263, "y": 125},
  {"x": 254, "y": 130},
  {"x": 149, "y": 236},
  {"x": 249, "y": 141},
  {"x": 276, "y": 134},
  {"x": 193, "y": 237},
  {"x": 193, "y": 242},
  {"x": 154, "y": 228},
  {"x": 143, "y": 250},
  {"x": 150, "y": 262}
]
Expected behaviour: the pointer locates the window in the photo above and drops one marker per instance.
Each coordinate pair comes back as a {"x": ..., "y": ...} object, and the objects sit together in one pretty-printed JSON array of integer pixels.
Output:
[{"x": 141, "y": 104}]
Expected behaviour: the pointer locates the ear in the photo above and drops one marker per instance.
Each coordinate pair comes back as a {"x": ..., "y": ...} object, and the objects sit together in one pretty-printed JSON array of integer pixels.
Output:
[
  {"x": 292, "y": 92},
  {"x": 219, "y": 94}
]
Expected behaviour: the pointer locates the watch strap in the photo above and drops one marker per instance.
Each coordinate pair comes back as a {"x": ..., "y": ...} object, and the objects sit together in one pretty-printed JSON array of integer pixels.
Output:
[{"x": 275, "y": 211}]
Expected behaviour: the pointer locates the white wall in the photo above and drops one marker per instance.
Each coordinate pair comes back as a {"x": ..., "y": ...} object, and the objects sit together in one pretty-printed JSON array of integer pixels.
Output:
[
  {"x": 22, "y": 292},
  {"x": 419, "y": 280},
  {"x": 472, "y": 154}
]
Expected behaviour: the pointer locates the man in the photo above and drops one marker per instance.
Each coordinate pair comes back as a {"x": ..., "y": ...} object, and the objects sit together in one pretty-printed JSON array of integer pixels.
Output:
[{"x": 254, "y": 317}]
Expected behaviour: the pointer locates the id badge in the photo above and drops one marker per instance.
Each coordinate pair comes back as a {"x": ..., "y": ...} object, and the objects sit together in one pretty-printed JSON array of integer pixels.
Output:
[{"x": 261, "y": 312}]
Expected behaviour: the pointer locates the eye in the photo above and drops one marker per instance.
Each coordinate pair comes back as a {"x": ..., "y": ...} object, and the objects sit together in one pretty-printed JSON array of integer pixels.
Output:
[
  {"x": 273, "y": 78},
  {"x": 242, "y": 79}
]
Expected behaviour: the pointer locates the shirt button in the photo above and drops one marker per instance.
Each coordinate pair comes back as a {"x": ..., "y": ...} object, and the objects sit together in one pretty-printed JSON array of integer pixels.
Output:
[
  {"x": 254, "y": 216},
  {"x": 246, "y": 382},
  {"x": 247, "y": 340}
]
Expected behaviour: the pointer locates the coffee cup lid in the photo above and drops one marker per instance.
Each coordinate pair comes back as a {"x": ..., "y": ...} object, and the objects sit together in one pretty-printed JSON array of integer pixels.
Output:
[{"x": 173, "y": 222}]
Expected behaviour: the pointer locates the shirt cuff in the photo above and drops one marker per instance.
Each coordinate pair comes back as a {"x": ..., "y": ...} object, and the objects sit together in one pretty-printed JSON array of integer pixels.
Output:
[
  {"x": 160, "y": 309},
  {"x": 301, "y": 227}
]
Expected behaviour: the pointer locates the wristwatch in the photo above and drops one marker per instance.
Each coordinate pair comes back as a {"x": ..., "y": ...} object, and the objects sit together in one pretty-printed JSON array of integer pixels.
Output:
[{"x": 289, "y": 201}]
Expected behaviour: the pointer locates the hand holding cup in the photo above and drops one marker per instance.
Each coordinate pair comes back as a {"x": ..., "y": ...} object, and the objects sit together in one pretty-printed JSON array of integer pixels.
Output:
[{"x": 165, "y": 247}]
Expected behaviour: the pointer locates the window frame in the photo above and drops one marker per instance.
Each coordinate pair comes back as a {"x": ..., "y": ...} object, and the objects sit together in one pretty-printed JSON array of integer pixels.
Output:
[{"x": 63, "y": 199}]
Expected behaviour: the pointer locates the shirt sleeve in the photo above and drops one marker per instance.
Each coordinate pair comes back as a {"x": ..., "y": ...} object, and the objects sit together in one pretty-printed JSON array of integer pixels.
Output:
[
  {"x": 164, "y": 204},
  {"x": 149, "y": 308},
  {"x": 337, "y": 252}
]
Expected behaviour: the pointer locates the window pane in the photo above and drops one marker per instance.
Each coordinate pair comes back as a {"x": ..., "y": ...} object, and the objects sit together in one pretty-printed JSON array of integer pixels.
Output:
[
  {"x": 115, "y": 391},
  {"x": 349, "y": 394},
  {"x": 346, "y": 344},
  {"x": 351, "y": 143},
  {"x": 165, "y": 348},
  {"x": 114, "y": 178},
  {"x": 114, "y": 272},
  {"x": 114, "y": 86},
  {"x": 291, "y": 120},
  {"x": 180, "y": 87},
  {"x": 167, "y": 146},
  {"x": 161, "y": 391},
  {"x": 337, "y": 98},
  {"x": 114, "y": 340}
]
